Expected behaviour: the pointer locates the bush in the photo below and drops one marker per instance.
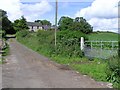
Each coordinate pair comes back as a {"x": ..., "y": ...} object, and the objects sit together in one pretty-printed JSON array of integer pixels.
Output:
[
  {"x": 68, "y": 42},
  {"x": 22, "y": 33},
  {"x": 113, "y": 71},
  {"x": 2, "y": 33},
  {"x": 5, "y": 49}
]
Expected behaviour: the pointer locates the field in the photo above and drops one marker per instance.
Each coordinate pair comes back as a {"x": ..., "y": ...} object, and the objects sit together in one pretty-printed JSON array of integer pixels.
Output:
[
  {"x": 103, "y": 36},
  {"x": 103, "y": 44}
]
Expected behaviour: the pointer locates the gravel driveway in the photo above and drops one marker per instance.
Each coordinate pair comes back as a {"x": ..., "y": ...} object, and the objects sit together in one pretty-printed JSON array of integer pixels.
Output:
[{"x": 28, "y": 69}]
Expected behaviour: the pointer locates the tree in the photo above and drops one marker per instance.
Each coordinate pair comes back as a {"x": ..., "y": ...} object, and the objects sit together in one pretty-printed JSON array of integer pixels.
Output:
[
  {"x": 20, "y": 24},
  {"x": 5, "y": 23},
  {"x": 65, "y": 23},
  {"x": 44, "y": 22},
  {"x": 81, "y": 24},
  {"x": 77, "y": 19},
  {"x": 38, "y": 21},
  {"x": 3, "y": 13}
]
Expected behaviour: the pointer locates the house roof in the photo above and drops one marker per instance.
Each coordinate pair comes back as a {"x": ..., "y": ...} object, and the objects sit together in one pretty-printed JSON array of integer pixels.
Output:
[{"x": 34, "y": 24}]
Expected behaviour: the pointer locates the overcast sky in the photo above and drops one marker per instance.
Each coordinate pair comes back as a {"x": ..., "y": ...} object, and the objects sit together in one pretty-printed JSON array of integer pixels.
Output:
[{"x": 101, "y": 14}]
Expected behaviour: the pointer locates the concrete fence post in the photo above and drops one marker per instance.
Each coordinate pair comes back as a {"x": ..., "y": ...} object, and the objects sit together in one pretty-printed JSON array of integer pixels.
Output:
[{"x": 82, "y": 43}]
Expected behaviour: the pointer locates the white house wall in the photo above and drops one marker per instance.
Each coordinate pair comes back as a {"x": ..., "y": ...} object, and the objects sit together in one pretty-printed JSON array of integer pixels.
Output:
[
  {"x": 30, "y": 28},
  {"x": 34, "y": 28}
]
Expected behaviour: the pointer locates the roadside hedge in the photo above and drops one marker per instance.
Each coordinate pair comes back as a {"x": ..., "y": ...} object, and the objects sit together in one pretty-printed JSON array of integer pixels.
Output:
[
  {"x": 113, "y": 71},
  {"x": 68, "y": 42}
]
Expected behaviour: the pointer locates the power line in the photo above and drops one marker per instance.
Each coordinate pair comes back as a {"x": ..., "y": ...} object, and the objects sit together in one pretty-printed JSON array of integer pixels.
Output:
[{"x": 51, "y": 2}]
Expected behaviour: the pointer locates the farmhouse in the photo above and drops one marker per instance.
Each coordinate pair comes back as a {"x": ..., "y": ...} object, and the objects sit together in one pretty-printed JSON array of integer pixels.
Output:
[
  {"x": 34, "y": 26},
  {"x": 46, "y": 27}
]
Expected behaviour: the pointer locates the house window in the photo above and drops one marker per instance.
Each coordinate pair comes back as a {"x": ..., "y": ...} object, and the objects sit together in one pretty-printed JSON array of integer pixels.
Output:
[
  {"x": 32, "y": 27},
  {"x": 42, "y": 27},
  {"x": 37, "y": 27}
]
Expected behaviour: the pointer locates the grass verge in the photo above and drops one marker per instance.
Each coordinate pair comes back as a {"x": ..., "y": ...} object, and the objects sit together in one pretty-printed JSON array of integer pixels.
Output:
[
  {"x": 5, "y": 52},
  {"x": 95, "y": 69}
]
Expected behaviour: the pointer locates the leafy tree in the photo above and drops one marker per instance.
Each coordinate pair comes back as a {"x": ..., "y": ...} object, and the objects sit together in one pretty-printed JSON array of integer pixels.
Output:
[
  {"x": 20, "y": 24},
  {"x": 5, "y": 23},
  {"x": 65, "y": 23},
  {"x": 3, "y": 13},
  {"x": 77, "y": 19},
  {"x": 43, "y": 22},
  {"x": 38, "y": 21},
  {"x": 79, "y": 24}
]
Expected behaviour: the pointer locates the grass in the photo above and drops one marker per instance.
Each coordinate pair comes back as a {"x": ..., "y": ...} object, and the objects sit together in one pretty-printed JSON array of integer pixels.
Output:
[
  {"x": 103, "y": 36},
  {"x": 95, "y": 69},
  {"x": 66, "y": 60},
  {"x": 107, "y": 47},
  {"x": 5, "y": 52}
]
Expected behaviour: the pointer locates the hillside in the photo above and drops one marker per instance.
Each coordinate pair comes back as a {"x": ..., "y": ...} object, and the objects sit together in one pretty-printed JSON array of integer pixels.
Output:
[{"x": 103, "y": 36}]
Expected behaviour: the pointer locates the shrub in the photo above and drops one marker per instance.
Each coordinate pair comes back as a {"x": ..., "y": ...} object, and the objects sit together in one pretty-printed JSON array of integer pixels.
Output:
[
  {"x": 68, "y": 42},
  {"x": 113, "y": 71},
  {"x": 22, "y": 33},
  {"x": 5, "y": 49},
  {"x": 2, "y": 33}
]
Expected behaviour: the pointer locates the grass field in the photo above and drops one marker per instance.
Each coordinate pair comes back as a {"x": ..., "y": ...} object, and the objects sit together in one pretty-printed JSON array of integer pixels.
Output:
[{"x": 103, "y": 36}]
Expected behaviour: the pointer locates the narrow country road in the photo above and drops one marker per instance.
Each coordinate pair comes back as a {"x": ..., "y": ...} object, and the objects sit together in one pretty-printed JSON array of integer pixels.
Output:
[{"x": 27, "y": 69}]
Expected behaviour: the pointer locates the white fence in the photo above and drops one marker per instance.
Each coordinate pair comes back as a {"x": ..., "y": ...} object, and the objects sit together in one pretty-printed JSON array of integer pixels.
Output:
[
  {"x": 102, "y": 44},
  {"x": 99, "y": 49}
]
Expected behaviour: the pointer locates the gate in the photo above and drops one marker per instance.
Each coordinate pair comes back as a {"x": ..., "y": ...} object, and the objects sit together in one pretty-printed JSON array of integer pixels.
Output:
[{"x": 100, "y": 49}]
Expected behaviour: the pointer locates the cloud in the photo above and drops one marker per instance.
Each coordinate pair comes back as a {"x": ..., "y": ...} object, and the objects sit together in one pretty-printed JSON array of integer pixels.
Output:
[
  {"x": 102, "y": 14},
  {"x": 12, "y": 7},
  {"x": 15, "y": 9},
  {"x": 33, "y": 11},
  {"x": 104, "y": 24}
]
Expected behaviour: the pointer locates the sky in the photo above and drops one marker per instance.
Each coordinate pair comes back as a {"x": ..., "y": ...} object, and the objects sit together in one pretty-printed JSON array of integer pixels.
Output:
[{"x": 101, "y": 14}]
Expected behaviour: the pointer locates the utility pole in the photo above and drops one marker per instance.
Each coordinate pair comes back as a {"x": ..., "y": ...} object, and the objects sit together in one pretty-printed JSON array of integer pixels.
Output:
[{"x": 56, "y": 12}]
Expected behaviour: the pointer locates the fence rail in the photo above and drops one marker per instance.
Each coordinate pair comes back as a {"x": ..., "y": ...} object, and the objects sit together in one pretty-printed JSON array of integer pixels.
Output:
[
  {"x": 102, "y": 44},
  {"x": 99, "y": 49}
]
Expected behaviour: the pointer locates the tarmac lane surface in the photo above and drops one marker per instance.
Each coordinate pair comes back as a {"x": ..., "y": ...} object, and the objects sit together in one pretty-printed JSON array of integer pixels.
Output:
[{"x": 28, "y": 69}]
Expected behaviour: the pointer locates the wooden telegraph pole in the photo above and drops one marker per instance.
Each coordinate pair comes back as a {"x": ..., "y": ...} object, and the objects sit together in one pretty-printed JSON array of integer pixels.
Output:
[{"x": 56, "y": 12}]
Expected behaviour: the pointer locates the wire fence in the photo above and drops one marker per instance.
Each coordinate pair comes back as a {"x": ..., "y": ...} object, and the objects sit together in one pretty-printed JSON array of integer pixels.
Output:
[{"x": 100, "y": 49}]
